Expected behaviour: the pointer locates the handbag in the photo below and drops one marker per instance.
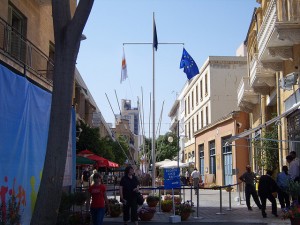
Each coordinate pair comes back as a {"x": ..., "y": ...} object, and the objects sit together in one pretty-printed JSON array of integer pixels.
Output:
[{"x": 140, "y": 198}]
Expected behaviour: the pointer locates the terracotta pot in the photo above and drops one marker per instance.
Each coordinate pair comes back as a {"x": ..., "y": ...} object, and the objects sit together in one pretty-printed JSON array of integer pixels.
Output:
[
  {"x": 185, "y": 215},
  {"x": 295, "y": 221},
  {"x": 146, "y": 216},
  {"x": 166, "y": 207},
  {"x": 115, "y": 213},
  {"x": 152, "y": 203}
]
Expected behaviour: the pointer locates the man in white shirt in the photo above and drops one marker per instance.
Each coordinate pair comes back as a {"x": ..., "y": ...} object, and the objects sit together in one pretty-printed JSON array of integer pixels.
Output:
[
  {"x": 294, "y": 168},
  {"x": 196, "y": 177}
]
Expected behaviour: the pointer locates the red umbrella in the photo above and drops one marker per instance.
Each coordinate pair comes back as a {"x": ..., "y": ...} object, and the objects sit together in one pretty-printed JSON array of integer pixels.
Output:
[
  {"x": 101, "y": 162},
  {"x": 85, "y": 153}
]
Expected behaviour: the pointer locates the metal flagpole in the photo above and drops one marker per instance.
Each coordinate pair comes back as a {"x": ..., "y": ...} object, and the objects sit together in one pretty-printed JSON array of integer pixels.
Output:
[
  {"x": 153, "y": 114},
  {"x": 153, "y": 155}
]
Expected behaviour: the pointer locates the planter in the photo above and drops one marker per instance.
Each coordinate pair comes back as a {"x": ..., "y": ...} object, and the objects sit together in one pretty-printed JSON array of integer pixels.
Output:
[
  {"x": 166, "y": 207},
  {"x": 185, "y": 215},
  {"x": 115, "y": 213},
  {"x": 295, "y": 221},
  {"x": 152, "y": 203},
  {"x": 146, "y": 216}
]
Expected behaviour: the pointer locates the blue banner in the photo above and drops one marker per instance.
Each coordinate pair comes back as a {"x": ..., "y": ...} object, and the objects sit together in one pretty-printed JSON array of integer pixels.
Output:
[{"x": 171, "y": 178}]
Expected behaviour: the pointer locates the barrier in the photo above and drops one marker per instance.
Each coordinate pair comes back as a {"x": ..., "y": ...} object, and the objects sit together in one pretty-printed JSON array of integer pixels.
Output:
[{"x": 182, "y": 192}]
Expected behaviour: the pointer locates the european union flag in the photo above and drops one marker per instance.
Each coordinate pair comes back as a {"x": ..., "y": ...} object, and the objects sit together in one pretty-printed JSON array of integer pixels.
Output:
[{"x": 189, "y": 65}]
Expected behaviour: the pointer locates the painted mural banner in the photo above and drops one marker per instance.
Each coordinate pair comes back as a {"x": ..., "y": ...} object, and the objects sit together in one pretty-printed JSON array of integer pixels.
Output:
[{"x": 24, "y": 115}]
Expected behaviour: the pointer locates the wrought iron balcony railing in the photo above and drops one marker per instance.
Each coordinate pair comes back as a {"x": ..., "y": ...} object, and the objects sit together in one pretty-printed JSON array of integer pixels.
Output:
[{"x": 25, "y": 53}]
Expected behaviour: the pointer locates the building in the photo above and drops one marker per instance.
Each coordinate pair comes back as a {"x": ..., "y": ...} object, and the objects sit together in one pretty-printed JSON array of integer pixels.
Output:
[
  {"x": 218, "y": 161},
  {"x": 177, "y": 120},
  {"x": 270, "y": 91},
  {"x": 211, "y": 95}
]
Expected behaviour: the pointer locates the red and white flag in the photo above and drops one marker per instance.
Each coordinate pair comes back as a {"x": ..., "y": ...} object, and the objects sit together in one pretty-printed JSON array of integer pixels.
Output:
[{"x": 124, "y": 68}]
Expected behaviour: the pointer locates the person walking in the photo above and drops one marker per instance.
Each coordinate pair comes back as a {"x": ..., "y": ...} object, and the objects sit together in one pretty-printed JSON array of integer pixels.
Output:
[
  {"x": 282, "y": 182},
  {"x": 266, "y": 187},
  {"x": 85, "y": 178},
  {"x": 249, "y": 177},
  {"x": 129, "y": 188},
  {"x": 196, "y": 178},
  {"x": 98, "y": 194},
  {"x": 187, "y": 177}
]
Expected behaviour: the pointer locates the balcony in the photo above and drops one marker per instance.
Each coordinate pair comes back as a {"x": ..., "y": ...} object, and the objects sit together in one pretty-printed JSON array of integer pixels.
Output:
[
  {"x": 279, "y": 31},
  {"x": 24, "y": 56},
  {"x": 247, "y": 98},
  {"x": 262, "y": 75}
]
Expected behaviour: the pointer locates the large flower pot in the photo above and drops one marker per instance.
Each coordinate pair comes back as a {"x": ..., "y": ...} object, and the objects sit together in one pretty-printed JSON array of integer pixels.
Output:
[
  {"x": 166, "y": 207},
  {"x": 146, "y": 216},
  {"x": 152, "y": 203},
  {"x": 185, "y": 215},
  {"x": 295, "y": 221}
]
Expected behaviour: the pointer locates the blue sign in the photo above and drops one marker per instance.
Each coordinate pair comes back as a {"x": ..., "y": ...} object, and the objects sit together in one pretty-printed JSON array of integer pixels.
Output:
[{"x": 171, "y": 178}]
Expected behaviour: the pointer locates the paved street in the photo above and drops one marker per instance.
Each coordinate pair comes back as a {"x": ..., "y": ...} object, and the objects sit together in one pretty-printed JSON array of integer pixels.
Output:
[{"x": 210, "y": 211}]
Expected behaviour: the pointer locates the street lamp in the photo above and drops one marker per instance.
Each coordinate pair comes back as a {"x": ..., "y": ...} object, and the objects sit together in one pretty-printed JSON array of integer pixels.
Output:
[{"x": 171, "y": 139}]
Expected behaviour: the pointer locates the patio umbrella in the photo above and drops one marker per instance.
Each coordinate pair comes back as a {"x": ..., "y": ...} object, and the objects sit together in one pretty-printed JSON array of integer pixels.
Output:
[
  {"x": 80, "y": 160},
  {"x": 157, "y": 164}
]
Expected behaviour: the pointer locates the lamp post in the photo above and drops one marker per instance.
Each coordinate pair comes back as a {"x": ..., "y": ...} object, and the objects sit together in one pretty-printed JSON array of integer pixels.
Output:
[{"x": 170, "y": 139}]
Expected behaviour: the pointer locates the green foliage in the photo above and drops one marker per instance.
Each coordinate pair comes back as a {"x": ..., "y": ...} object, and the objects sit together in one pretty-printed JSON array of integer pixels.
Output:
[
  {"x": 294, "y": 188},
  {"x": 267, "y": 149},
  {"x": 165, "y": 149},
  {"x": 105, "y": 147}
]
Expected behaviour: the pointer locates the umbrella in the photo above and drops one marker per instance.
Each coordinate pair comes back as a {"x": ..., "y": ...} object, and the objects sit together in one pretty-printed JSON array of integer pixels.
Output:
[
  {"x": 85, "y": 153},
  {"x": 174, "y": 164},
  {"x": 84, "y": 161},
  {"x": 157, "y": 164}
]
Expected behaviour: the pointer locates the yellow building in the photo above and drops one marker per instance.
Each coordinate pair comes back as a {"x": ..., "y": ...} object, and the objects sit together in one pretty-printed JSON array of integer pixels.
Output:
[{"x": 270, "y": 92}]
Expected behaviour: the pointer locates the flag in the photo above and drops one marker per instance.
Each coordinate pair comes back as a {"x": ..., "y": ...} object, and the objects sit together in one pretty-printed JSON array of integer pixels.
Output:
[
  {"x": 155, "y": 43},
  {"x": 124, "y": 68},
  {"x": 189, "y": 65}
]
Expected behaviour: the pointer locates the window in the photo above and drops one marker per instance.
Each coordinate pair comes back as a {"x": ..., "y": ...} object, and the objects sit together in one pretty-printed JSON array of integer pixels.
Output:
[
  {"x": 227, "y": 161},
  {"x": 193, "y": 127},
  {"x": 189, "y": 105},
  {"x": 212, "y": 158},
  {"x": 185, "y": 109},
  {"x": 201, "y": 160},
  {"x": 206, "y": 112},
  {"x": 189, "y": 130},
  {"x": 201, "y": 90},
  {"x": 192, "y": 100},
  {"x": 206, "y": 90},
  {"x": 185, "y": 131},
  {"x": 17, "y": 44},
  {"x": 197, "y": 95},
  {"x": 197, "y": 122},
  {"x": 201, "y": 119}
]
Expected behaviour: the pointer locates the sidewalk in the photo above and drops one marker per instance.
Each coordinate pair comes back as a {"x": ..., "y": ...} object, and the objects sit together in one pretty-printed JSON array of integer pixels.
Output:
[{"x": 210, "y": 212}]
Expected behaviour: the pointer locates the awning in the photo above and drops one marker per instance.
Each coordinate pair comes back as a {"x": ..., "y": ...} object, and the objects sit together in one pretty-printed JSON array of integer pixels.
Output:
[{"x": 248, "y": 132}]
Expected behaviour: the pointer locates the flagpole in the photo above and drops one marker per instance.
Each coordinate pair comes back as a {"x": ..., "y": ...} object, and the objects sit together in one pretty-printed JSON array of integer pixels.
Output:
[{"x": 153, "y": 115}]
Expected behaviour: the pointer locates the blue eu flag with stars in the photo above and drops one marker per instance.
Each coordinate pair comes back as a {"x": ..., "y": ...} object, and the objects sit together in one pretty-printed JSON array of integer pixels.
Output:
[{"x": 189, "y": 65}]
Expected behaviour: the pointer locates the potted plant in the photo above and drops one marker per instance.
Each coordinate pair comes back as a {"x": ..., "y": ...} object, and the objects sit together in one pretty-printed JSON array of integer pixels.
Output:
[
  {"x": 152, "y": 200},
  {"x": 294, "y": 189},
  {"x": 293, "y": 214},
  {"x": 166, "y": 205},
  {"x": 146, "y": 213},
  {"x": 115, "y": 207},
  {"x": 184, "y": 210},
  {"x": 177, "y": 199}
]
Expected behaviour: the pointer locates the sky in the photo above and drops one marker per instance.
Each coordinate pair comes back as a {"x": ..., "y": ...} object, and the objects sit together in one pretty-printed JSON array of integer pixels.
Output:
[{"x": 206, "y": 27}]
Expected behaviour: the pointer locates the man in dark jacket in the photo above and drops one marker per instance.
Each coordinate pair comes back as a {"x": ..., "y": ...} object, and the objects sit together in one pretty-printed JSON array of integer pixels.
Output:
[{"x": 266, "y": 187}]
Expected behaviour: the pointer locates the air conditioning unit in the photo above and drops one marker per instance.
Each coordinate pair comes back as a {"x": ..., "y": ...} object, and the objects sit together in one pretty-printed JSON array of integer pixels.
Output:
[{"x": 287, "y": 82}]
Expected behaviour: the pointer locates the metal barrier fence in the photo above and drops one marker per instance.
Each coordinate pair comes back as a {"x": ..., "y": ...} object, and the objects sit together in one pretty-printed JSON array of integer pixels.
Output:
[{"x": 182, "y": 190}]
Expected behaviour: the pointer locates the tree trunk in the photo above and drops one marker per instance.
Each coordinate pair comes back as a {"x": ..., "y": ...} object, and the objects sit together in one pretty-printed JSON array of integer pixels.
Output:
[{"x": 67, "y": 33}]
